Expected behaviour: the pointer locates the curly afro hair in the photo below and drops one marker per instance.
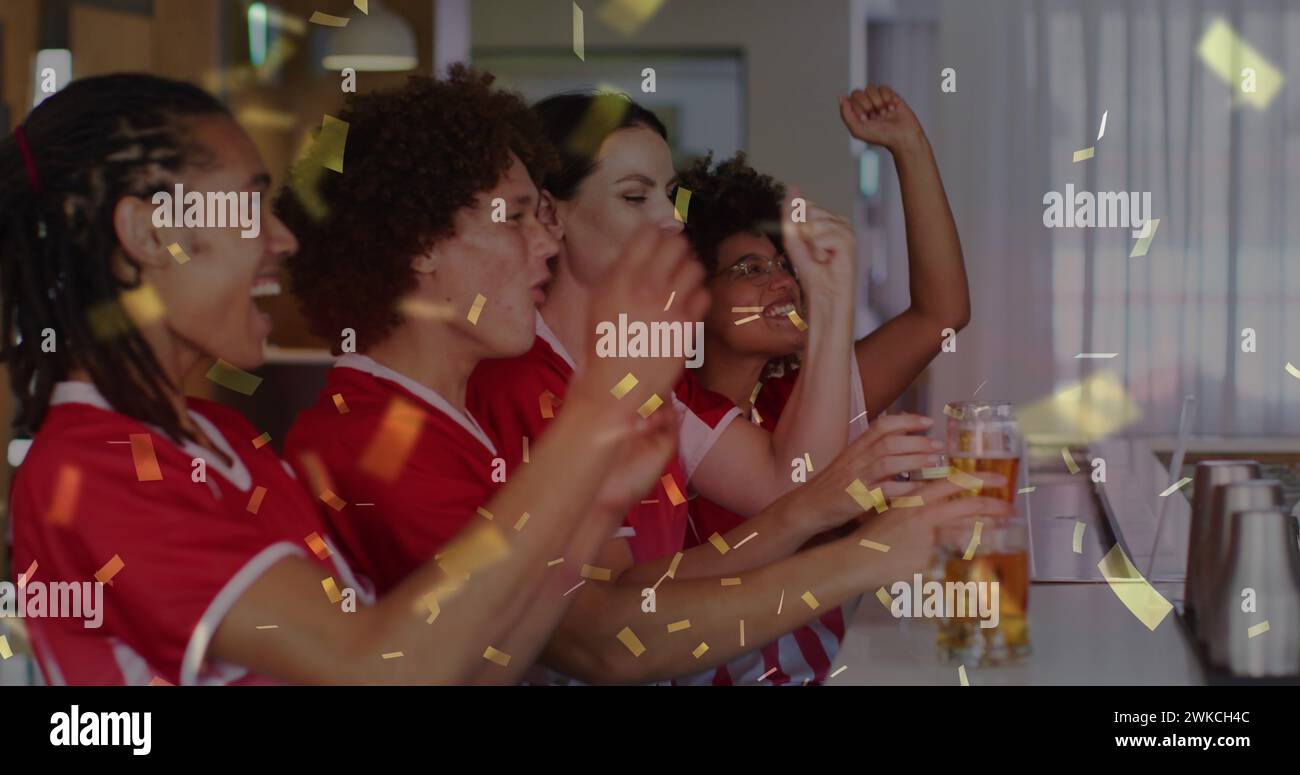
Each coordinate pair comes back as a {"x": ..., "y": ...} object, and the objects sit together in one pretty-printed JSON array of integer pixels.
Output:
[
  {"x": 730, "y": 198},
  {"x": 414, "y": 156}
]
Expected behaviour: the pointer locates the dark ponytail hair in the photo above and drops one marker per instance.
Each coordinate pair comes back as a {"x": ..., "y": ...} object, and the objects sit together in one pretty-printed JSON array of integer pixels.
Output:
[
  {"x": 79, "y": 153},
  {"x": 577, "y": 124}
]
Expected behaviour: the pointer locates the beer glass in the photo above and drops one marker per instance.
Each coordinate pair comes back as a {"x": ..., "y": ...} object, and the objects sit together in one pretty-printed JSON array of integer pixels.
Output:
[
  {"x": 984, "y": 579},
  {"x": 983, "y": 437}
]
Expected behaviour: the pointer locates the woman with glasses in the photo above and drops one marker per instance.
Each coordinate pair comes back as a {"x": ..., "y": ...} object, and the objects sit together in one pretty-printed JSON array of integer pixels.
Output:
[{"x": 734, "y": 209}]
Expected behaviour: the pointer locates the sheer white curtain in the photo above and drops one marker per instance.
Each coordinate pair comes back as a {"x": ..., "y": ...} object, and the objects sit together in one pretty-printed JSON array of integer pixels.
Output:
[{"x": 1033, "y": 80}]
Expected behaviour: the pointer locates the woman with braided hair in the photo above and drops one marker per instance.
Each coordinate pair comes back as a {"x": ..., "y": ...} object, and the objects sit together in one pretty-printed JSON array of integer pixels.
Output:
[{"x": 203, "y": 533}]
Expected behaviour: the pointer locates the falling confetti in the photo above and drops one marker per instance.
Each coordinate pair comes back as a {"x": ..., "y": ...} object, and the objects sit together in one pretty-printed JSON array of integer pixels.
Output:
[
  {"x": 965, "y": 480},
  {"x": 255, "y": 500},
  {"x": 26, "y": 577},
  {"x": 1134, "y": 591},
  {"x": 1069, "y": 460},
  {"x": 671, "y": 296},
  {"x": 523, "y": 520},
  {"x": 733, "y": 581},
  {"x": 1171, "y": 489},
  {"x": 624, "y": 385},
  {"x": 482, "y": 512},
  {"x": 331, "y": 589},
  {"x": 1023, "y": 490},
  {"x": 798, "y": 321},
  {"x": 498, "y": 657},
  {"x": 748, "y": 319},
  {"x": 178, "y": 253},
  {"x": 681, "y": 203},
  {"x": 317, "y": 545},
  {"x": 884, "y": 597},
  {"x": 111, "y": 568},
  {"x": 938, "y": 472},
  {"x": 651, "y": 404},
  {"x": 807, "y": 459},
  {"x": 974, "y": 541},
  {"x": 595, "y": 573},
  {"x": 234, "y": 378},
  {"x": 1292, "y": 370},
  {"x": 719, "y": 543},
  {"x": 633, "y": 643},
  {"x": 332, "y": 500},
  {"x": 579, "y": 42},
  {"x": 262, "y": 441},
  {"x": 841, "y": 669},
  {"x": 5, "y": 652},
  {"x": 546, "y": 403},
  {"x": 1084, "y": 155},
  {"x": 340, "y": 404},
  {"x": 332, "y": 142},
  {"x": 1078, "y": 537},
  {"x": 1144, "y": 242},
  {"x": 553, "y": 563},
  {"x": 1095, "y": 355},
  {"x": 393, "y": 442},
  {"x": 675, "y": 496},
  {"x": 1226, "y": 54},
  {"x": 392, "y": 655},
  {"x": 700, "y": 649},
  {"x": 743, "y": 540},
  {"x": 327, "y": 20},
  {"x": 961, "y": 675},
  {"x": 764, "y": 676},
  {"x": 628, "y": 16},
  {"x": 810, "y": 599},
  {"x": 1258, "y": 629},
  {"x": 684, "y": 624},
  {"x": 67, "y": 490},
  {"x": 476, "y": 309},
  {"x": 142, "y": 454},
  {"x": 956, "y": 414},
  {"x": 879, "y": 547},
  {"x": 908, "y": 502},
  {"x": 1102, "y": 132}
]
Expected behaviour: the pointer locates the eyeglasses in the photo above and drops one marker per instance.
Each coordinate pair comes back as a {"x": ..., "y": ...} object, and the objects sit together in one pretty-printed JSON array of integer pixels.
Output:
[{"x": 758, "y": 269}]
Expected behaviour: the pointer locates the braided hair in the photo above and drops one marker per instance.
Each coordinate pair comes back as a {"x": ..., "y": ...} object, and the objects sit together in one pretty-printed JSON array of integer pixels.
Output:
[{"x": 61, "y": 176}]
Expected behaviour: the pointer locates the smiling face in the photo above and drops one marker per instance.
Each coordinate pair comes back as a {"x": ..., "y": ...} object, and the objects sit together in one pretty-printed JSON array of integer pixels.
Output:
[
  {"x": 773, "y": 334},
  {"x": 629, "y": 189},
  {"x": 504, "y": 262},
  {"x": 208, "y": 302}
]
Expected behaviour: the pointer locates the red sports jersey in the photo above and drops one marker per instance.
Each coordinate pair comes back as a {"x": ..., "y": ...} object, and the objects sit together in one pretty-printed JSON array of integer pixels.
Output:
[
  {"x": 409, "y": 469},
  {"x": 514, "y": 396},
  {"x": 103, "y": 496},
  {"x": 806, "y": 653}
]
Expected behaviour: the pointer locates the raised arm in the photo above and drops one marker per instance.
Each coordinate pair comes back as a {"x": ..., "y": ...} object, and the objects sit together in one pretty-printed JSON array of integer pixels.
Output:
[{"x": 892, "y": 356}]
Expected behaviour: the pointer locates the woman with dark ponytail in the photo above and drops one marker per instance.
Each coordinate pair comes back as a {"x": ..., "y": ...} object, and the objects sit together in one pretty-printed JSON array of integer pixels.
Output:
[{"x": 184, "y": 534}]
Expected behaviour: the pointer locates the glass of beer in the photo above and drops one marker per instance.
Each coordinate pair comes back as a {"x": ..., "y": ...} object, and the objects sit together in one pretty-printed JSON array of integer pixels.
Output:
[
  {"x": 983, "y": 437},
  {"x": 984, "y": 575}
]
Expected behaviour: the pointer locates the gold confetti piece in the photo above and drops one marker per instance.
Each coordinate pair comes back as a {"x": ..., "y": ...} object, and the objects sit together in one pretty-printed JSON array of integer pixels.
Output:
[
  {"x": 633, "y": 643},
  {"x": 482, "y": 512},
  {"x": 327, "y": 20},
  {"x": 1292, "y": 370},
  {"x": 111, "y": 568},
  {"x": 331, "y": 589},
  {"x": 908, "y": 502},
  {"x": 749, "y": 319},
  {"x": 837, "y": 672},
  {"x": 1257, "y": 629},
  {"x": 546, "y": 402},
  {"x": 67, "y": 490},
  {"x": 1084, "y": 155},
  {"x": 268, "y": 626},
  {"x": 675, "y": 496},
  {"x": 873, "y": 545},
  {"x": 579, "y": 43},
  {"x": 1096, "y": 356},
  {"x": 1069, "y": 460},
  {"x": 499, "y": 657},
  {"x": 523, "y": 520},
  {"x": 624, "y": 385},
  {"x": 234, "y": 378},
  {"x": 1078, "y": 537},
  {"x": 178, "y": 253},
  {"x": 780, "y": 603},
  {"x": 1024, "y": 490},
  {"x": 1143, "y": 244},
  {"x": 362, "y": 5},
  {"x": 965, "y": 481},
  {"x": 476, "y": 309},
  {"x": 575, "y": 586},
  {"x": 858, "y": 491},
  {"x": 1227, "y": 55},
  {"x": 884, "y": 597},
  {"x": 1175, "y": 486},
  {"x": 595, "y": 573},
  {"x": 262, "y": 441},
  {"x": 255, "y": 500},
  {"x": 807, "y": 459},
  {"x": 700, "y": 649},
  {"x": 317, "y": 545},
  {"x": 156, "y": 681},
  {"x": 5, "y": 652},
  {"x": 553, "y": 563},
  {"x": 808, "y": 598},
  {"x": 652, "y": 500},
  {"x": 392, "y": 655},
  {"x": 431, "y": 605},
  {"x": 684, "y": 624},
  {"x": 749, "y": 309},
  {"x": 332, "y": 142},
  {"x": 340, "y": 404},
  {"x": 961, "y": 675},
  {"x": 756, "y": 417},
  {"x": 956, "y": 414},
  {"x": 938, "y": 472},
  {"x": 1134, "y": 591},
  {"x": 733, "y": 581},
  {"x": 332, "y": 500},
  {"x": 860, "y": 415},
  {"x": 798, "y": 321},
  {"x": 23, "y": 578},
  {"x": 719, "y": 543},
  {"x": 681, "y": 203},
  {"x": 672, "y": 566},
  {"x": 393, "y": 442},
  {"x": 527, "y": 456},
  {"x": 651, "y": 404},
  {"x": 743, "y": 540},
  {"x": 671, "y": 296},
  {"x": 742, "y": 632},
  {"x": 146, "y": 463},
  {"x": 753, "y": 394},
  {"x": 974, "y": 541},
  {"x": 764, "y": 676},
  {"x": 628, "y": 16},
  {"x": 426, "y": 310}
]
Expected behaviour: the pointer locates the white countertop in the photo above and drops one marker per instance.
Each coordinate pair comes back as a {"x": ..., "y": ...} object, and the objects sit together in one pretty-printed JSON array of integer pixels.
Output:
[{"x": 1080, "y": 634}]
